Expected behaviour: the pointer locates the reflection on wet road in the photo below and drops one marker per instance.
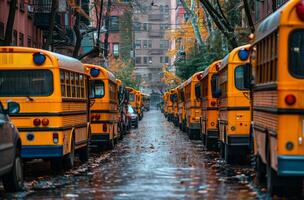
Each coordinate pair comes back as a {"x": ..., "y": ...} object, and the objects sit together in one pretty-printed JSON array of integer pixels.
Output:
[{"x": 157, "y": 161}]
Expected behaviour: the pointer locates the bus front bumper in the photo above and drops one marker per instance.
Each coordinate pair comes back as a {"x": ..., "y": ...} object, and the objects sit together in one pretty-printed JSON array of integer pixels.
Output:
[
  {"x": 291, "y": 165},
  {"x": 41, "y": 151}
]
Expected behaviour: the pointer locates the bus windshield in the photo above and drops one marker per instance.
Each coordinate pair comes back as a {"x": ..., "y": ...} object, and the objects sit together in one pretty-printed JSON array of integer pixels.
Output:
[
  {"x": 26, "y": 83},
  {"x": 97, "y": 89},
  {"x": 131, "y": 97}
]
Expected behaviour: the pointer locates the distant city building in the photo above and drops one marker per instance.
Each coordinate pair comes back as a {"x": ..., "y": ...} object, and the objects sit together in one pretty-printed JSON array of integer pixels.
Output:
[{"x": 151, "y": 19}]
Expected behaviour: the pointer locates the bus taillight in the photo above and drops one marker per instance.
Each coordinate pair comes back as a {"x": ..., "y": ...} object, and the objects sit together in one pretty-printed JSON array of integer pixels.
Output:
[
  {"x": 300, "y": 10},
  {"x": 290, "y": 99},
  {"x": 97, "y": 116},
  {"x": 93, "y": 117},
  {"x": 45, "y": 122},
  {"x": 37, "y": 122},
  {"x": 104, "y": 127},
  {"x": 55, "y": 138}
]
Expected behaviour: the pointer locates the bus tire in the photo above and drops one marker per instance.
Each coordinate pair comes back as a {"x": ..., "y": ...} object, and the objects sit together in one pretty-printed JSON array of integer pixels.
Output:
[
  {"x": 13, "y": 181},
  {"x": 69, "y": 159},
  {"x": 57, "y": 164},
  {"x": 84, "y": 153},
  {"x": 111, "y": 144},
  {"x": 260, "y": 170},
  {"x": 228, "y": 154}
]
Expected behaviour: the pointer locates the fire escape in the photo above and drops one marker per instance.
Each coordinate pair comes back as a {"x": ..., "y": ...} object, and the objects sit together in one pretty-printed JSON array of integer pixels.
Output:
[{"x": 63, "y": 35}]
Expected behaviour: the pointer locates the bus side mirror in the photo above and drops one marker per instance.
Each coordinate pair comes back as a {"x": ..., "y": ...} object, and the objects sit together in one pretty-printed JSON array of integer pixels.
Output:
[
  {"x": 12, "y": 107},
  {"x": 216, "y": 92}
]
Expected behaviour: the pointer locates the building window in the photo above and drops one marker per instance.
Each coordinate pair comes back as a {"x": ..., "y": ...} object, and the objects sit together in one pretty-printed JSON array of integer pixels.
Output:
[
  {"x": 145, "y": 44},
  {"x": 29, "y": 42},
  {"x": 167, "y": 9},
  {"x": 114, "y": 23},
  {"x": 21, "y": 5},
  {"x": 21, "y": 39},
  {"x": 145, "y": 60},
  {"x": 15, "y": 38},
  {"x": 164, "y": 44},
  {"x": 138, "y": 60},
  {"x": 1, "y": 30},
  {"x": 145, "y": 26},
  {"x": 137, "y": 44},
  {"x": 115, "y": 49},
  {"x": 150, "y": 60},
  {"x": 161, "y": 59},
  {"x": 166, "y": 59},
  {"x": 149, "y": 27},
  {"x": 161, "y": 9},
  {"x": 137, "y": 26},
  {"x": 149, "y": 44}
]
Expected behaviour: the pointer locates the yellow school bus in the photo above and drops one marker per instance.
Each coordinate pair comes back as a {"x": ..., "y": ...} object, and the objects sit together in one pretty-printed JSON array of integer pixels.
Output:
[
  {"x": 134, "y": 99},
  {"x": 209, "y": 118},
  {"x": 193, "y": 105},
  {"x": 103, "y": 106},
  {"x": 181, "y": 107},
  {"x": 234, "y": 105},
  {"x": 139, "y": 104},
  {"x": 174, "y": 106},
  {"x": 170, "y": 106},
  {"x": 52, "y": 92},
  {"x": 123, "y": 102},
  {"x": 278, "y": 106},
  {"x": 165, "y": 99}
]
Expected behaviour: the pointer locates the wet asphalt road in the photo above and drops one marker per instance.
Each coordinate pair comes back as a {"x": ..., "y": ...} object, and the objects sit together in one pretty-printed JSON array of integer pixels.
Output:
[{"x": 156, "y": 161}]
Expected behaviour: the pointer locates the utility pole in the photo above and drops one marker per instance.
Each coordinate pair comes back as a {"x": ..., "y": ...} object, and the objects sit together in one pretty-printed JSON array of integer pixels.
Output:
[{"x": 10, "y": 23}]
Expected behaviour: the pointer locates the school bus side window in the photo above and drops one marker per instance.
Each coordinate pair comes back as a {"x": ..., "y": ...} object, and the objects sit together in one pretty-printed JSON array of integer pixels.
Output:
[
  {"x": 62, "y": 83},
  {"x": 296, "y": 53}
]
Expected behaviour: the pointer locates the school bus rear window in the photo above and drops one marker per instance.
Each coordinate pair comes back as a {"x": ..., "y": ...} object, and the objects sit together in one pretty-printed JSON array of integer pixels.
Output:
[
  {"x": 296, "y": 53},
  {"x": 26, "y": 83}
]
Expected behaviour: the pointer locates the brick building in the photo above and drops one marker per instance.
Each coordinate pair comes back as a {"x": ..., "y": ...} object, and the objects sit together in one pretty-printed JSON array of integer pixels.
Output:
[{"x": 25, "y": 33}]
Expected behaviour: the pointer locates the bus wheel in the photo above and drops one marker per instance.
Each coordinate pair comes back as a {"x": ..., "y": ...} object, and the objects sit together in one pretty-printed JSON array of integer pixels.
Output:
[
  {"x": 57, "y": 164},
  {"x": 69, "y": 160},
  {"x": 111, "y": 144},
  {"x": 84, "y": 153},
  {"x": 228, "y": 154},
  {"x": 260, "y": 170},
  {"x": 13, "y": 181}
]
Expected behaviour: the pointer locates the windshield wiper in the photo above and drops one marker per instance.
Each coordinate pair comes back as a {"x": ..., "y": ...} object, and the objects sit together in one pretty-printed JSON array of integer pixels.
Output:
[{"x": 29, "y": 98}]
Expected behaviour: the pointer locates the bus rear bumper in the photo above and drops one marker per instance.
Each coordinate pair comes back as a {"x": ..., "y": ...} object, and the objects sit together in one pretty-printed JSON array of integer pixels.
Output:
[
  {"x": 291, "y": 165},
  {"x": 212, "y": 134},
  {"x": 41, "y": 151},
  {"x": 238, "y": 140},
  {"x": 99, "y": 138}
]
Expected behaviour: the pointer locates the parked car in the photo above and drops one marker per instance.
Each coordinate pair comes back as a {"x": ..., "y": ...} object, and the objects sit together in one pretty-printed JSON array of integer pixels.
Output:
[
  {"x": 133, "y": 117},
  {"x": 11, "y": 170}
]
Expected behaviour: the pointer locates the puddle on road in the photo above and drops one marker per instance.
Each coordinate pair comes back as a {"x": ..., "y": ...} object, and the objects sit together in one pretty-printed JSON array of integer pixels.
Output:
[{"x": 157, "y": 161}]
